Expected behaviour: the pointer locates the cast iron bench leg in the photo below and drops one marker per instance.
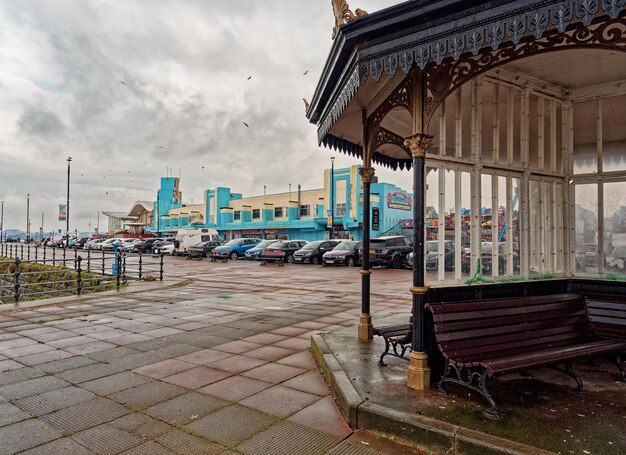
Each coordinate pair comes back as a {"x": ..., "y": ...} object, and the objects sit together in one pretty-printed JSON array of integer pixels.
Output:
[
  {"x": 569, "y": 370},
  {"x": 381, "y": 363},
  {"x": 472, "y": 376}
]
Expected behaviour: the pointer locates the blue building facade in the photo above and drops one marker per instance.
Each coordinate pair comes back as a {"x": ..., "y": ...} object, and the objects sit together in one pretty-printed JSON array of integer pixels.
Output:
[{"x": 302, "y": 214}]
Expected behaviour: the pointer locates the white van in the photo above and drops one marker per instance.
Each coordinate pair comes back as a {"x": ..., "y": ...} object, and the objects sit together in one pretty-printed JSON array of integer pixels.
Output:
[{"x": 190, "y": 237}]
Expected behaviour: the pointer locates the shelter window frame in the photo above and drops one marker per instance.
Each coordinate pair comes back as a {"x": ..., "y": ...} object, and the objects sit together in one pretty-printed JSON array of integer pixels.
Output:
[{"x": 237, "y": 215}]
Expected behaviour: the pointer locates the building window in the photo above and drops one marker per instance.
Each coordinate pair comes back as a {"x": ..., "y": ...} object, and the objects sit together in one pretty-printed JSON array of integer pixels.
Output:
[
  {"x": 256, "y": 214},
  {"x": 340, "y": 209},
  {"x": 278, "y": 212},
  {"x": 237, "y": 215},
  {"x": 305, "y": 210}
]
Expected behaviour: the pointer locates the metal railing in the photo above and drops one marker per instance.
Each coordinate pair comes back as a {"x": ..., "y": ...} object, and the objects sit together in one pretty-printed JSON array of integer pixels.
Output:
[{"x": 31, "y": 272}]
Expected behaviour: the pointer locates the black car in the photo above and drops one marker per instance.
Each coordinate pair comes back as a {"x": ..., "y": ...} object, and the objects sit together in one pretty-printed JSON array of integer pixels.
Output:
[
  {"x": 202, "y": 249},
  {"x": 390, "y": 251},
  {"x": 145, "y": 245},
  {"x": 347, "y": 252},
  {"x": 312, "y": 252},
  {"x": 80, "y": 242}
]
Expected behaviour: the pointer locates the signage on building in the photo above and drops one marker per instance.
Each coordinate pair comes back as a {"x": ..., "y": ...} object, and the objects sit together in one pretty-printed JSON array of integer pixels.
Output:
[
  {"x": 62, "y": 212},
  {"x": 196, "y": 219},
  {"x": 399, "y": 200},
  {"x": 375, "y": 218}
]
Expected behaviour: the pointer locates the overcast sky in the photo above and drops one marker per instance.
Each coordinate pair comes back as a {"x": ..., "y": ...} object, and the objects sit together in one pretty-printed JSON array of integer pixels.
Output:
[{"x": 185, "y": 67}]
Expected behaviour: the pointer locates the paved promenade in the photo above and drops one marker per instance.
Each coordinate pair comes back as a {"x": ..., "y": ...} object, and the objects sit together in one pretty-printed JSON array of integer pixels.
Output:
[{"x": 219, "y": 366}]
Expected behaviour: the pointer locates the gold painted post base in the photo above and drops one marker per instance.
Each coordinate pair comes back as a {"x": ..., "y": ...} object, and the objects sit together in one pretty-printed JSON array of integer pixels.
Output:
[
  {"x": 366, "y": 329},
  {"x": 419, "y": 372}
]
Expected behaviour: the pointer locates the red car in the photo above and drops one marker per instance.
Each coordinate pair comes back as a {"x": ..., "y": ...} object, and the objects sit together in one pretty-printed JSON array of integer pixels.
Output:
[{"x": 281, "y": 251}]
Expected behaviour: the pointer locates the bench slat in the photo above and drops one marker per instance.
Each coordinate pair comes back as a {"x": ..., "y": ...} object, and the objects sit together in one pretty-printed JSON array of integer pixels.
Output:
[
  {"x": 495, "y": 322},
  {"x": 488, "y": 312},
  {"x": 471, "y": 305}
]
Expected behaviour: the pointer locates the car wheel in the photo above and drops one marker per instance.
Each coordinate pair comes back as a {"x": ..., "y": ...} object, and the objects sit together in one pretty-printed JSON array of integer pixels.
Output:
[
  {"x": 289, "y": 259},
  {"x": 315, "y": 260},
  {"x": 350, "y": 262},
  {"x": 206, "y": 255},
  {"x": 396, "y": 262},
  {"x": 234, "y": 255}
]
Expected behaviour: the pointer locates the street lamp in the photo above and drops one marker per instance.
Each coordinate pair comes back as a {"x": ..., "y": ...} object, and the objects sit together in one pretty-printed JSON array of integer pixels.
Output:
[
  {"x": 332, "y": 196},
  {"x": 67, "y": 206},
  {"x": 28, "y": 218}
]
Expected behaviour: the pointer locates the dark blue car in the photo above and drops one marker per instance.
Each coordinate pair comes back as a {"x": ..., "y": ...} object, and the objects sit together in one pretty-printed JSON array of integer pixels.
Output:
[{"x": 234, "y": 249}]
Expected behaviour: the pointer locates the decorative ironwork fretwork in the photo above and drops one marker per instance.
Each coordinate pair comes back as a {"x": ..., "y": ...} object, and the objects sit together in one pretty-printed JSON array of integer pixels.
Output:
[
  {"x": 418, "y": 144},
  {"x": 443, "y": 79},
  {"x": 537, "y": 24},
  {"x": 343, "y": 14},
  {"x": 384, "y": 136},
  {"x": 344, "y": 146}
]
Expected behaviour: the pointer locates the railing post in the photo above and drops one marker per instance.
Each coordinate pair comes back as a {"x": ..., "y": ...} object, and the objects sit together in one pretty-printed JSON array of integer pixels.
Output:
[
  {"x": 54, "y": 256},
  {"x": 75, "y": 256},
  {"x": 161, "y": 268},
  {"x": 103, "y": 265},
  {"x": 28, "y": 252},
  {"x": 44, "y": 254},
  {"x": 16, "y": 276},
  {"x": 140, "y": 265},
  {"x": 79, "y": 280},
  {"x": 89, "y": 260},
  {"x": 64, "y": 257},
  {"x": 22, "y": 251},
  {"x": 124, "y": 268}
]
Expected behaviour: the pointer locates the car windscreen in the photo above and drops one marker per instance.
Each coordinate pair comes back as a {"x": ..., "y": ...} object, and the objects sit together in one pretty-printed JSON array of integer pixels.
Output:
[
  {"x": 201, "y": 245},
  {"x": 345, "y": 246},
  {"x": 312, "y": 245},
  {"x": 233, "y": 242},
  {"x": 280, "y": 245},
  {"x": 265, "y": 243}
]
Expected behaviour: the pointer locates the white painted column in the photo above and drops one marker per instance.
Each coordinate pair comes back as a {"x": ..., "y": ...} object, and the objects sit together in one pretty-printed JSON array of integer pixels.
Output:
[
  {"x": 553, "y": 135},
  {"x": 476, "y": 174},
  {"x": 495, "y": 227},
  {"x": 442, "y": 129},
  {"x": 458, "y": 245},
  {"x": 441, "y": 230},
  {"x": 510, "y": 115},
  {"x": 541, "y": 137},
  {"x": 524, "y": 184},
  {"x": 458, "y": 124},
  {"x": 509, "y": 226},
  {"x": 496, "y": 124},
  {"x": 567, "y": 149}
]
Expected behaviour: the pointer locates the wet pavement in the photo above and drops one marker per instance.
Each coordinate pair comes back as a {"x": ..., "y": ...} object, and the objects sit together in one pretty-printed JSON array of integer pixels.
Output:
[
  {"x": 220, "y": 365},
  {"x": 540, "y": 409}
]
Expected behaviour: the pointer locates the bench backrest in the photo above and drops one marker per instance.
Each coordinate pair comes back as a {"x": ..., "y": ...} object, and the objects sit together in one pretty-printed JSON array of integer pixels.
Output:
[
  {"x": 470, "y": 331},
  {"x": 607, "y": 314}
]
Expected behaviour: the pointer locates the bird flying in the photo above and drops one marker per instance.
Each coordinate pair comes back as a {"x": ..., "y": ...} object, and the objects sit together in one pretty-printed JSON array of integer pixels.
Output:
[
  {"x": 305, "y": 73},
  {"x": 249, "y": 77},
  {"x": 123, "y": 82},
  {"x": 247, "y": 126}
]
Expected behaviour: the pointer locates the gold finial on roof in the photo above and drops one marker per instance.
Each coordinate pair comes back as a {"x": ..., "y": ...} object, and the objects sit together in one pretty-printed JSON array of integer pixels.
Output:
[{"x": 343, "y": 14}]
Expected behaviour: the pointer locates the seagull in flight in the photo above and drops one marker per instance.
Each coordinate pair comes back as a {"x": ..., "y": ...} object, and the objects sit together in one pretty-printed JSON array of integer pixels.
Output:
[
  {"x": 158, "y": 147},
  {"x": 123, "y": 82},
  {"x": 247, "y": 126},
  {"x": 249, "y": 77},
  {"x": 305, "y": 73}
]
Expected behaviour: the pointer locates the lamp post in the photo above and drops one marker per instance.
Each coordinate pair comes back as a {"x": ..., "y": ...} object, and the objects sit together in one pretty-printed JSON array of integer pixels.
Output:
[
  {"x": 28, "y": 218},
  {"x": 332, "y": 196},
  {"x": 2, "y": 222},
  {"x": 67, "y": 206}
]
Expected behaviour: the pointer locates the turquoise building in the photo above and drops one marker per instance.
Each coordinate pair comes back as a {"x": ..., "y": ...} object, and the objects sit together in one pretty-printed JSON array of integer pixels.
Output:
[{"x": 297, "y": 214}]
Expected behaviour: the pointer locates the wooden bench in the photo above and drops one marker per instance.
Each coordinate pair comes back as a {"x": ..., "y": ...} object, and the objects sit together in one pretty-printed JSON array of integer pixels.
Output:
[
  {"x": 607, "y": 314},
  {"x": 397, "y": 340},
  {"x": 481, "y": 340}
]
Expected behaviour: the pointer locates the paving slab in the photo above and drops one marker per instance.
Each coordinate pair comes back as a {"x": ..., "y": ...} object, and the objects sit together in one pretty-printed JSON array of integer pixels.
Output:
[
  {"x": 25, "y": 435},
  {"x": 185, "y": 408},
  {"x": 85, "y": 415},
  {"x": 64, "y": 446},
  {"x": 286, "y": 438},
  {"x": 141, "y": 425},
  {"x": 11, "y": 414},
  {"x": 146, "y": 395},
  {"x": 30, "y": 387},
  {"x": 115, "y": 383},
  {"x": 107, "y": 440},
  {"x": 231, "y": 425},
  {"x": 279, "y": 401},
  {"x": 235, "y": 388},
  {"x": 54, "y": 400},
  {"x": 183, "y": 443}
]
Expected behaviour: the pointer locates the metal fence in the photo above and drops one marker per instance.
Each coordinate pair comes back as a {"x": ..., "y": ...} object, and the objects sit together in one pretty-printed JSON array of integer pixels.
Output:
[{"x": 30, "y": 272}]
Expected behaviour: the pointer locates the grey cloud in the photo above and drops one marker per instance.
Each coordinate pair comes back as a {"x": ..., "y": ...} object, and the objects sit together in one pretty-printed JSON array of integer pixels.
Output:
[{"x": 37, "y": 121}]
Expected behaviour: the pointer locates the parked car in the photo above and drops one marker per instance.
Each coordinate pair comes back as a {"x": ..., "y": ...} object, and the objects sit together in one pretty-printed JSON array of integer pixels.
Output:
[
  {"x": 390, "y": 250},
  {"x": 107, "y": 245},
  {"x": 129, "y": 244},
  {"x": 186, "y": 238},
  {"x": 253, "y": 253},
  {"x": 144, "y": 245},
  {"x": 346, "y": 252},
  {"x": 234, "y": 249},
  {"x": 160, "y": 243},
  {"x": 165, "y": 246},
  {"x": 617, "y": 260},
  {"x": 80, "y": 243},
  {"x": 202, "y": 249},
  {"x": 486, "y": 258},
  {"x": 281, "y": 251},
  {"x": 94, "y": 244},
  {"x": 431, "y": 253},
  {"x": 312, "y": 252}
]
